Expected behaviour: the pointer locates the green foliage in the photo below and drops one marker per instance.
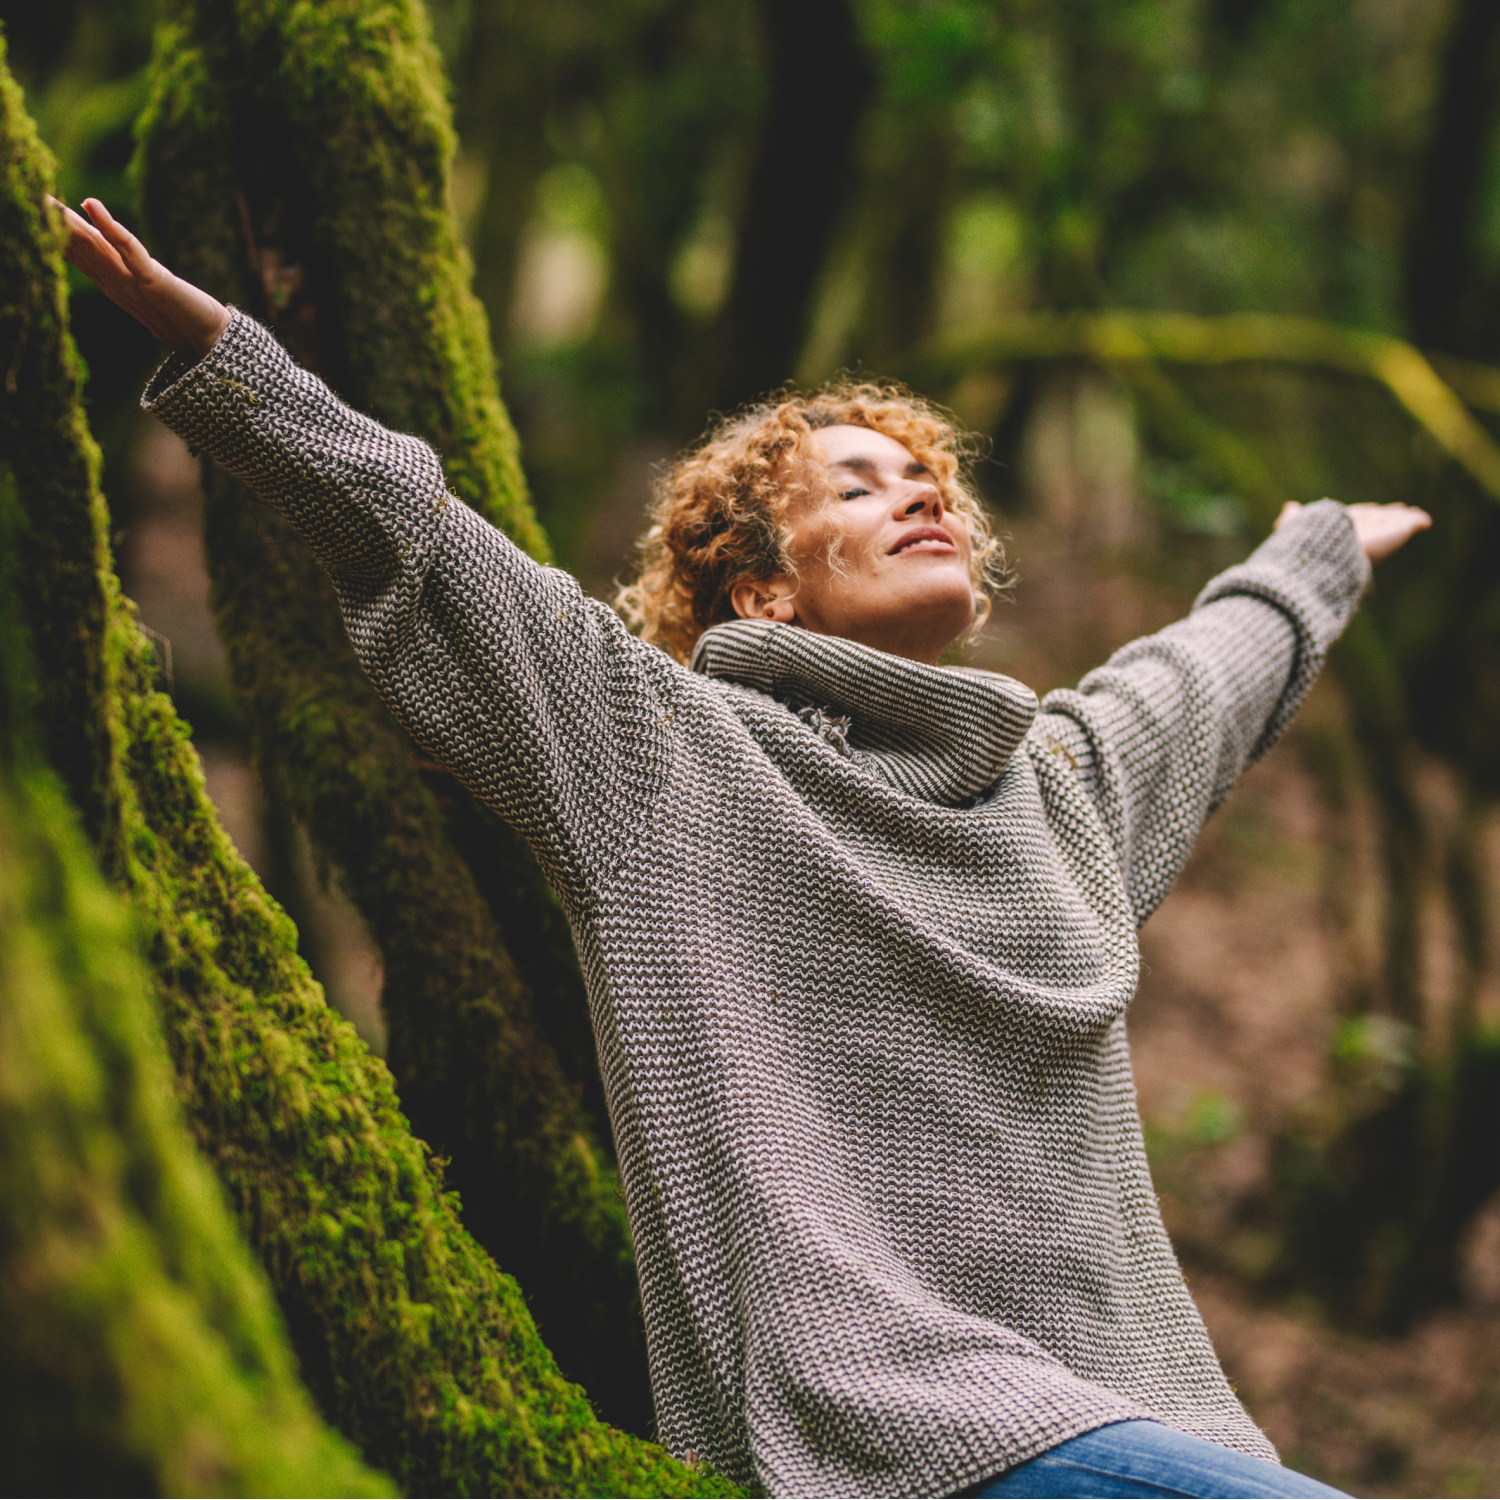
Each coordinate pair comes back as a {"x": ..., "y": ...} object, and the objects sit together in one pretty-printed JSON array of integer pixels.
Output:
[
  {"x": 419, "y": 1349},
  {"x": 295, "y": 160}
]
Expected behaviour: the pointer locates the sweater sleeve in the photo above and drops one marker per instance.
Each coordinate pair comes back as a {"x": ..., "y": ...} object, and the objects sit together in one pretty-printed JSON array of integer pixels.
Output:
[
  {"x": 1161, "y": 732},
  {"x": 534, "y": 695}
]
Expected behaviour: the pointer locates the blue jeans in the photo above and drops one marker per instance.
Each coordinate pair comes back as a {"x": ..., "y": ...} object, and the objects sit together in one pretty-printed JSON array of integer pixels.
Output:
[{"x": 1145, "y": 1458}]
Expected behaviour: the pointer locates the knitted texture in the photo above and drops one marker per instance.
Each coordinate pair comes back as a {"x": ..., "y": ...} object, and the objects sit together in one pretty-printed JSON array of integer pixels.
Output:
[{"x": 859, "y": 935}]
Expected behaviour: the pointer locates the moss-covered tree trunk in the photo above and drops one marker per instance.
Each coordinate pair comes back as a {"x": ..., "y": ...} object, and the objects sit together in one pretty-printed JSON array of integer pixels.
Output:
[
  {"x": 295, "y": 161},
  {"x": 140, "y": 1349},
  {"x": 416, "y": 1346}
]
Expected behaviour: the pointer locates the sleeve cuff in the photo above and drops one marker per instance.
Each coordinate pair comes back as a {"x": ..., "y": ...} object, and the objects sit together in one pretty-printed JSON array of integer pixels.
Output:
[
  {"x": 1313, "y": 566},
  {"x": 247, "y": 367}
]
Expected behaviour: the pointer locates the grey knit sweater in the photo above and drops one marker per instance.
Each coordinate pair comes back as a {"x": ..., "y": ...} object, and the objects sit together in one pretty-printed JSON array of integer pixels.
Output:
[{"x": 859, "y": 935}]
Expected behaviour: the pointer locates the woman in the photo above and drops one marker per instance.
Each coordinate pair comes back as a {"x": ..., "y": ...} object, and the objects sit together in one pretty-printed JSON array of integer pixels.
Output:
[{"x": 859, "y": 930}]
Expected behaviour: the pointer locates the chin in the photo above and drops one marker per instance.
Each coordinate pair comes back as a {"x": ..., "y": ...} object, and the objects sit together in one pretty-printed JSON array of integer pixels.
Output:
[
  {"x": 882, "y": 612},
  {"x": 954, "y": 605}
]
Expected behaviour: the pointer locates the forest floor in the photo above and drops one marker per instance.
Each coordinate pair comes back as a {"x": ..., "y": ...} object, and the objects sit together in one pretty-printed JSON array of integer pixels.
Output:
[
  {"x": 1415, "y": 1415},
  {"x": 1246, "y": 966}
]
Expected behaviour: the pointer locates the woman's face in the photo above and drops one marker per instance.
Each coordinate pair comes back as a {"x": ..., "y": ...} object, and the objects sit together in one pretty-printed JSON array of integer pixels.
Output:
[{"x": 901, "y": 582}]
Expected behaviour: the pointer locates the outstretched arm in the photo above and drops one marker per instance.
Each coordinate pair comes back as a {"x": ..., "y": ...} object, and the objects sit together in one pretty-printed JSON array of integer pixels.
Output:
[
  {"x": 1161, "y": 732},
  {"x": 533, "y": 694}
]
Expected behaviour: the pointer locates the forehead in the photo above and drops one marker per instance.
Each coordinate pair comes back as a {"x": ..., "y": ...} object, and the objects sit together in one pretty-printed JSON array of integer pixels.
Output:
[{"x": 846, "y": 443}]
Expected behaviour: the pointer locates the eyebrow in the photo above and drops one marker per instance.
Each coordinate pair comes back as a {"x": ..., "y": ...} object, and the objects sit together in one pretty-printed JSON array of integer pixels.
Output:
[{"x": 862, "y": 464}]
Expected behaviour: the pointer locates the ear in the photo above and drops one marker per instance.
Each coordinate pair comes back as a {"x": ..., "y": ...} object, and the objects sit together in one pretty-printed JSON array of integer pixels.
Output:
[{"x": 764, "y": 600}]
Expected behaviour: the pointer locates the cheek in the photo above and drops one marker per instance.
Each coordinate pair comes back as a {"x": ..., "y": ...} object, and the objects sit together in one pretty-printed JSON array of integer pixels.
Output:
[
  {"x": 809, "y": 546},
  {"x": 833, "y": 546}
]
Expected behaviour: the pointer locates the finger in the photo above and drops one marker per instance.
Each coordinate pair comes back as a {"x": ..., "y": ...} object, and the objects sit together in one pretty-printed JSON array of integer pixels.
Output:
[
  {"x": 1288, "y": 510},
  {"x": 103, "y": 265},
  {"x": 91, "y": 252},
  {"x": 1405, "y": 521},
  {"x": 131, "y": 251},
  {"x": 77, "y": 226},
  {"x": 66, "y": 214},
  {"x": 94, "y": 255},
  {"x": 77, "y": 242},
  {"x": 80, "y": 229}
]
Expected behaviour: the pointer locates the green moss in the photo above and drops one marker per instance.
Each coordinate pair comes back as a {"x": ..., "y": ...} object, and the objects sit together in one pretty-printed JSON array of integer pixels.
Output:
[
  {"x": 141, "y": 1349},
  {"x": 331, "y": 122},
  {"x": 418, "y": 1347},
  {"x": 295, "y": 161}
]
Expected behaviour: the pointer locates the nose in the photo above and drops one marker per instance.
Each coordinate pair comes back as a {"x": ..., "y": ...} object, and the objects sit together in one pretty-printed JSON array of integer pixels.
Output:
[{"x": 927, "y": 498}]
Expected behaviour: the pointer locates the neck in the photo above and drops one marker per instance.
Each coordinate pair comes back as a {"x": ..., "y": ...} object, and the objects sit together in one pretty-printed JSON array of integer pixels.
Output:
[{"x": 896, "y": 638}]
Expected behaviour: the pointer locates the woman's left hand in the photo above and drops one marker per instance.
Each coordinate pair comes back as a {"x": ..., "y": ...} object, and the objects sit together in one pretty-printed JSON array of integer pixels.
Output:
[
  {"x": 1381, "y": 529},
  {"x": 185, "y": 318}
]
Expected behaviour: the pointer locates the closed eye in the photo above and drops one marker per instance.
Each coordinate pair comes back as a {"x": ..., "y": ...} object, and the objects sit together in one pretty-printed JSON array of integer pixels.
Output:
[{"x": 853, "y": 494}]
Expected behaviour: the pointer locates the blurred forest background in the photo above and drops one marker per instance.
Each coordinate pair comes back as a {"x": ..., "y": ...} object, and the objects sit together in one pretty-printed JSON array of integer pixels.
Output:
[{"x": 1125, "y": 241}]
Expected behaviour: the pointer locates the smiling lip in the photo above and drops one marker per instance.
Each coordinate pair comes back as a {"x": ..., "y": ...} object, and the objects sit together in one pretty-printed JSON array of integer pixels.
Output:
[{"x": 924, "y": 534}]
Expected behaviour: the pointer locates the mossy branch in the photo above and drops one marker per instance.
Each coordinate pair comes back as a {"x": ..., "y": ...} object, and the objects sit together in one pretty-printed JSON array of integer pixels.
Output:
[{"x": 1128, "y": 341}]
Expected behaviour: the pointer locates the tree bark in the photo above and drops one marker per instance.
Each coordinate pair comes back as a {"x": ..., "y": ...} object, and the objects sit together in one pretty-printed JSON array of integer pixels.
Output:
[
  {"x": 801, "y": 183},
  {"x": 1445, "y": 307}
]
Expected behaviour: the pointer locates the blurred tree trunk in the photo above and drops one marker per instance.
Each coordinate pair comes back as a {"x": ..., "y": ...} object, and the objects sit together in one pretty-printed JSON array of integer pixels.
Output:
[
  {"x": 801, "y": 184},
  {"x": 505, "y": 77},
  {"x": 906, "y": 214},
  {"x": 296, "y": 161},
  {"x": 1450, "y": 298},
  {"x": 413, "y": 1343}
]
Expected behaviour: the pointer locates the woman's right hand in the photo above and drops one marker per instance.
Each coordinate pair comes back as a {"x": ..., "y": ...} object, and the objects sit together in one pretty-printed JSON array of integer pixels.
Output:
[{"x": 188, "y": 321}]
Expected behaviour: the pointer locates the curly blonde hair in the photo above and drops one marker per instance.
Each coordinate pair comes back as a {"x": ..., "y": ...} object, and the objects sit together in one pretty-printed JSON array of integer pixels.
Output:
[{"x": 720, "y": 513}]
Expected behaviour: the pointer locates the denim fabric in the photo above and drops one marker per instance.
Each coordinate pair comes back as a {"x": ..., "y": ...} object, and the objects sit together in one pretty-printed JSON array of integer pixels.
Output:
[{"x": 1145, "y": 1458}]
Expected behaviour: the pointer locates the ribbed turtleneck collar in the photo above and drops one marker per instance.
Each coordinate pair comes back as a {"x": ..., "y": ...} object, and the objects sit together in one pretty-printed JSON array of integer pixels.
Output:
[{"x": 942, "y": 733}]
